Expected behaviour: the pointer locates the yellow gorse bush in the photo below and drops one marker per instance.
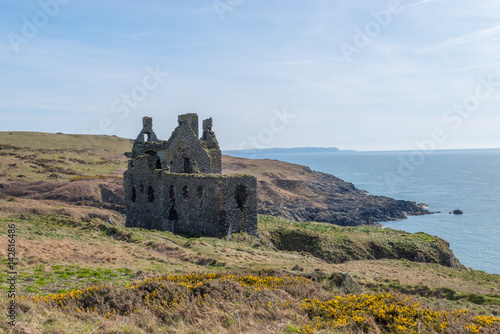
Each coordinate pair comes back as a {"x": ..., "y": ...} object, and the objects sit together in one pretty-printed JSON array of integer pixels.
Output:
[
  {"x": 180, "y": 294},
  {"x": 390, "y": 312},
  {"x": 176, "y": 290}
]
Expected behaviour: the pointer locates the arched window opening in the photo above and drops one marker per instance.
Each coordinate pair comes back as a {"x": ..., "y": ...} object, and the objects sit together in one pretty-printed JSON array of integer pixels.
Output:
[
  {"x": 241, "y": 196},
  {"x": 134, "y": 195},
  {"x": 151, "y": 194},
  {"x": 171, "y": 193},
  {"x": 200, "y": 193},
  {"x": 172, "y": 213},
  {"x": 188, "y": 165}
]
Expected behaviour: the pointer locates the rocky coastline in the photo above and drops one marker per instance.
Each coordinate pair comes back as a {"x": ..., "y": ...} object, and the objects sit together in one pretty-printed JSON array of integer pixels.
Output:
[{"x": 298, "y": 193}]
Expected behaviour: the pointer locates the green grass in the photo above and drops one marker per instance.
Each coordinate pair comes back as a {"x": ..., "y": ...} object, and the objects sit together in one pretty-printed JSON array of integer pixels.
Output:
[
  {"x": 52, "y": 141},
  {"x": 337, "y": 244},
  {"x": 446, "y": 293},
  {"x": 33, "y": 156},
  {"x": 60, "y": 278},
  {"x": 272, "y": 222}
]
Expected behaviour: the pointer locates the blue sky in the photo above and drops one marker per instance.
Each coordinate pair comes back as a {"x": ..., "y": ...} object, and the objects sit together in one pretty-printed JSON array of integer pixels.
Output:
[{"x": 363, "y": 75}]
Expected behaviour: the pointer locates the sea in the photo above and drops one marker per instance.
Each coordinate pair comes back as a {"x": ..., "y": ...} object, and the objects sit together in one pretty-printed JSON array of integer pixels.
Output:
[{"x": 445, "y": 180}]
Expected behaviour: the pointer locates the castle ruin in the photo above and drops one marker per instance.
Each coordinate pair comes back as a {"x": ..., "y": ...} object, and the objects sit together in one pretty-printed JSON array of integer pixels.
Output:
[{"x": 178, "y": 186}]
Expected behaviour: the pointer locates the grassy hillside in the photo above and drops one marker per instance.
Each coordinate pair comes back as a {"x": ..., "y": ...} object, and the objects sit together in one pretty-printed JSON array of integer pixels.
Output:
[
  {"x": 52, "y": 141},
  {"x": 256, "y": 280},
  {"x": 31, "y": 156}
]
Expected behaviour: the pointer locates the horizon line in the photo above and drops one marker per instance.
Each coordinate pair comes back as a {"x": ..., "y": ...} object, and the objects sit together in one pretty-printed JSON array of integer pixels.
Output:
[{"x": 276, "y": 148}]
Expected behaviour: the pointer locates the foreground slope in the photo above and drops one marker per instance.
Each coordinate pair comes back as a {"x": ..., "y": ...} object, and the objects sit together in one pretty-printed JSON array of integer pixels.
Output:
[{"x": 86, "y": 275}]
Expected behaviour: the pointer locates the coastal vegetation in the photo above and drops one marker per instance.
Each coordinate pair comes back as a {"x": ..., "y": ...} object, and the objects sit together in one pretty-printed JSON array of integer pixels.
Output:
[{"x": 79, "y": 275}]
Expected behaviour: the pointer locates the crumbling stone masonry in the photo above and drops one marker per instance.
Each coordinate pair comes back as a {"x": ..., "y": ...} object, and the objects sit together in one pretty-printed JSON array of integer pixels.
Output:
[{"x": 177, "y": 185}]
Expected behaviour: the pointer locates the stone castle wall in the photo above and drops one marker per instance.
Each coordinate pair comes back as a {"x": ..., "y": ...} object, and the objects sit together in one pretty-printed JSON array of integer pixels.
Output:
[{"x": 177, "y": 185}]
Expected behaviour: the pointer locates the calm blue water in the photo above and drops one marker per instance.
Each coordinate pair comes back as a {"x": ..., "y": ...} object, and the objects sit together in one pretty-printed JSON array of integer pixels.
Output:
[{"x": 468, "y": 180}]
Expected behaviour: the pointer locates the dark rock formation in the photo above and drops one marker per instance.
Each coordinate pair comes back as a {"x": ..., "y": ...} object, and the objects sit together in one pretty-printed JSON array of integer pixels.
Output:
[
  {"x": 345, "y": 283},
  {"x": 457, "y": 212}
]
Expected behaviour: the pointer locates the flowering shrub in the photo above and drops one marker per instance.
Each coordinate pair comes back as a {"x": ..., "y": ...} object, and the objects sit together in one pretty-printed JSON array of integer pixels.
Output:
[
  {"x": 264, "y": 295},
  {"x": 391, "y": 314},
  {"x": 168, "y": 293}
]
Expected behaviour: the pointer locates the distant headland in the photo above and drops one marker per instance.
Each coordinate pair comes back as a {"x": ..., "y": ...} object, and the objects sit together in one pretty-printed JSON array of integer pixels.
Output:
[{"x": 285, "y": 150}]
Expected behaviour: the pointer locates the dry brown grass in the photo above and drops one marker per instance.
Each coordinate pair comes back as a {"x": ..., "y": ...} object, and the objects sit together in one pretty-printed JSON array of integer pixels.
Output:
[
  {"x": 66, "y": 251},
  {"x": 21, "y": 206},
  {"x": 434, "y": 276},
  {"x": 267, "y": 171}
]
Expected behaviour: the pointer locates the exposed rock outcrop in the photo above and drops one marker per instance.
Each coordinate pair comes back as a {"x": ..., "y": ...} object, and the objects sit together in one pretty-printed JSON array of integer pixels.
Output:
[{"x": 336, "y": 246}]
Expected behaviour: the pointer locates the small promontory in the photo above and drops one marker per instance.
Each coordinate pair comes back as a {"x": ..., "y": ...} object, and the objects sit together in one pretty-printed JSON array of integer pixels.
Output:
[{"x": 296, "y": 192}]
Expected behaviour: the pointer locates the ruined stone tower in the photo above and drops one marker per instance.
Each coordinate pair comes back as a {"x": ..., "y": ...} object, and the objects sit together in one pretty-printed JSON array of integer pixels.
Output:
[{"x": 178, "y": 186}]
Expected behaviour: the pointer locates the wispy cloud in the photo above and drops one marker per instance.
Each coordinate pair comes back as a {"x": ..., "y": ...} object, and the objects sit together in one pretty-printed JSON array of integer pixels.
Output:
[
  {"x": 298, "y": 62},
  {"x": 199, "y": 11},
  {"x": 492, "y": 33},
  {"x": 142, "y": 33},
  {"x": 271, "y": 54},
  {"x": 418, "y": 3},
  {"x": 471, "y": 67}
]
